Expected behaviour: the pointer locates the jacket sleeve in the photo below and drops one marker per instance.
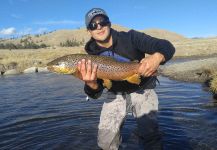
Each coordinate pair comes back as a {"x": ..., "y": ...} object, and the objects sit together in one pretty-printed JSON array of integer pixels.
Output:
[
  {"x": 150, "y": 45},
  {"x": 92, "y": 92}
]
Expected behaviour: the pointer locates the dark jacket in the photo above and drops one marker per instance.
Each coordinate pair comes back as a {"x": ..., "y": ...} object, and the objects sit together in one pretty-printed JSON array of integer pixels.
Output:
[{"x": 132, "y": 45}]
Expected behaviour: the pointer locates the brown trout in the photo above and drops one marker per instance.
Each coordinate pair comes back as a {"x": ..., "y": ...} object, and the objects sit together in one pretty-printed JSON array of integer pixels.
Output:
[{"x": 108, "y": 68}]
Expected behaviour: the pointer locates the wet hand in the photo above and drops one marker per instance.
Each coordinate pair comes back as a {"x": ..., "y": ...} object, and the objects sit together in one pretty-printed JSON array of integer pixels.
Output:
[
  {"x": 149, "y": 65},
  {"x": 88, "y": 73}
]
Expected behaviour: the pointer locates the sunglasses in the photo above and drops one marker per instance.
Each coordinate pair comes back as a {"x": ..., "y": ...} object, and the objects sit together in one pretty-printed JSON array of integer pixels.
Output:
[{"x": 94, "y": 25}]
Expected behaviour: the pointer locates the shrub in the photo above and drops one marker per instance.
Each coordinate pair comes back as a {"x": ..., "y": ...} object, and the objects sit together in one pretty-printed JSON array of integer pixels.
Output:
[
  {"x": 71, "y": 43},
  {"x": 26, "y": 45}
]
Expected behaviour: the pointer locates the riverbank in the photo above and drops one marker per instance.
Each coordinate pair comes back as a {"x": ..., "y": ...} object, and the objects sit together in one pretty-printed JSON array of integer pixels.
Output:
[
  {"x": 201, "y": 69},
  {"x": 196, "y": 70}
]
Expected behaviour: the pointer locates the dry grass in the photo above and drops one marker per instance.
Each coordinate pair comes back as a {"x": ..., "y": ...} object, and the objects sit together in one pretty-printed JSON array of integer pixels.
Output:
[
  {"x": 55, "y": 38},
  {"x": 163, "y": 34},
  {"x": 213, "y": 83},
  {"x": 196, "y": 47},
  {"x": 40, "y": 57},
  {"x": 81, "y": 35}
]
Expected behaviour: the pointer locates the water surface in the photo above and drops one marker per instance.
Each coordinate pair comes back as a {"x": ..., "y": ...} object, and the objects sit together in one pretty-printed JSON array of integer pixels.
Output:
[{"x": 49, "y": 111}]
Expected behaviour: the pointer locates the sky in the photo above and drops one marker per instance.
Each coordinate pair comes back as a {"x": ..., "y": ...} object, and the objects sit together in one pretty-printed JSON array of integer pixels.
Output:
[{"x": 190, "y": 18}]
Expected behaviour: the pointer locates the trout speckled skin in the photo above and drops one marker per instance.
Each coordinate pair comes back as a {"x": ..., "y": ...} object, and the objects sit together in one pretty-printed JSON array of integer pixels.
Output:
[{"x": 108, "y": 68}]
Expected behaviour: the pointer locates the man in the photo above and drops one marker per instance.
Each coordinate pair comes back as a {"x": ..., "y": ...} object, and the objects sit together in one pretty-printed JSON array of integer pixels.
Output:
[{"x": 123, "y": 97}]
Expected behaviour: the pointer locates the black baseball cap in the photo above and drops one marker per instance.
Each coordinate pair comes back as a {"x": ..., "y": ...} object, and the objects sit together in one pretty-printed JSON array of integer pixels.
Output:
[{"x": 93, "y": 13}]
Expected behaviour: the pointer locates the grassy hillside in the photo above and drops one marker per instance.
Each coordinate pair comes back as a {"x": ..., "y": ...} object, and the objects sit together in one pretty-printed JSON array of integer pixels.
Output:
[
  {"x": 163, "y": 34},
  {"x": 54, "y": 38},
  {"x": 196, "y": 47}
]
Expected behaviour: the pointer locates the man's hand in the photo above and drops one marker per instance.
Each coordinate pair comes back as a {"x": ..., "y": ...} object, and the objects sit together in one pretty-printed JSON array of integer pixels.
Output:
[
  {"x": 87, "y": 73},
  {"x": 149, "y": 65}
]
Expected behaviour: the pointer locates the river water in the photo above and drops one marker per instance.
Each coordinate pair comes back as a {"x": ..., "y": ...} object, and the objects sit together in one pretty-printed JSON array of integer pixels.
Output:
[{"x": 50, "y": 111}]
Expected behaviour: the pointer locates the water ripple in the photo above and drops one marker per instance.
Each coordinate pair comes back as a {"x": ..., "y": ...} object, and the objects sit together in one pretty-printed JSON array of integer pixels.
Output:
[{"x": 48, "y": 111}]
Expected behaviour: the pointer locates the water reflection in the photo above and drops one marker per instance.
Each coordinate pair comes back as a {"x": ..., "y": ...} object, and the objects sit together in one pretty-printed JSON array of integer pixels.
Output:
[{"x": 48, "y": 111}]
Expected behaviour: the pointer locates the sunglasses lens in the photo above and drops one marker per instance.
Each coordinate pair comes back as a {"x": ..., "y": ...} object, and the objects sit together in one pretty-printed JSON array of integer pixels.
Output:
[
  {"x": 104, "y": 23},
  {"x": 94, "y": 25}
]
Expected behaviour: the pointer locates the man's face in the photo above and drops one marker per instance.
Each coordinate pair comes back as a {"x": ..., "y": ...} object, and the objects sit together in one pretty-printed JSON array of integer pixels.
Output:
[{"x": 102, "y": 32}]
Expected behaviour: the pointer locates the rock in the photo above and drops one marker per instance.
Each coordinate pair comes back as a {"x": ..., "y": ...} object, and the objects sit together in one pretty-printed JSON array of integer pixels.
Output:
[
  {"x": 31, "y": 70},
  {"x": 11, "y": 72},
  {"x": 42, "y": 69},
  {"x": 2, "y": 69}
]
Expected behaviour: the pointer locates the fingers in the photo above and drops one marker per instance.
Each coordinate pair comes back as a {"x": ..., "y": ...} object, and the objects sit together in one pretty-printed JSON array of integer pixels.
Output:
[
  {"x": 94, "y": 72},
  {"x": 147, "y": 73},
  {"x": 78, "y": 73},
  {"x": 155, "y": 73},
  {"x": 150, "y": 73},
  {"x": 87, "y": 70},
  {"x": 144, "y": 69},
  {"x": 147, "y": 68},
  {"x": 83, "y": 67}
]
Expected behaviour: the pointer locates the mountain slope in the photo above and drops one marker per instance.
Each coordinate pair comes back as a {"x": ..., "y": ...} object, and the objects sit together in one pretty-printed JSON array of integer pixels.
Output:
[{"x": 81, "y": 35}]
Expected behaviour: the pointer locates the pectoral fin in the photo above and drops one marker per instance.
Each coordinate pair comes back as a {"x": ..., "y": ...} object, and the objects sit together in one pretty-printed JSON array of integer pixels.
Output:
[
  {"x": 134, "y": 79},
  {"x": 107, "y": 83}
]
